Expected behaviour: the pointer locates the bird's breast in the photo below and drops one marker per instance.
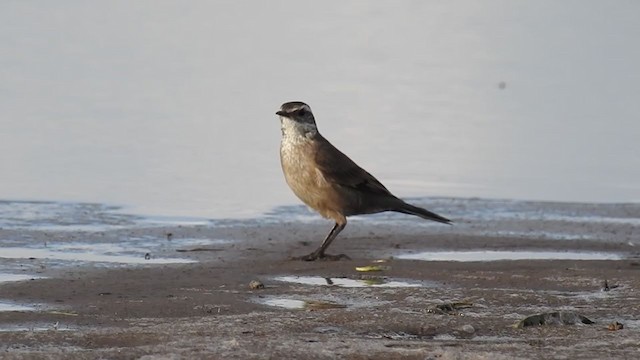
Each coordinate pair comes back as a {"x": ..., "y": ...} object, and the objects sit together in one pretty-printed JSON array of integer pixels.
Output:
[
  {"x": 298, "y": 165},
  {"x": 303, "y": 176}
]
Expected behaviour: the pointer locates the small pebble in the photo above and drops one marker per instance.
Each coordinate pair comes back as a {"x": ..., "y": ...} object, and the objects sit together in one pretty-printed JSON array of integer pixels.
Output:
[
  {"x": 614, "y": 326},
  {"x": 255, "y": 284},
  {"x": 328, "y": 330},
  {"x": 468, "y": 329}
]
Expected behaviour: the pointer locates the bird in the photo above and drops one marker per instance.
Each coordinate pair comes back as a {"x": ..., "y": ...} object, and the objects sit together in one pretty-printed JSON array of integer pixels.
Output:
[{"x": 328, "y": 181}]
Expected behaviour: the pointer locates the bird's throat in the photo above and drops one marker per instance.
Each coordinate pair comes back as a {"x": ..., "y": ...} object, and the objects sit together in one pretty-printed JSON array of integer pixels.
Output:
[{"x": 293, "y": 131}]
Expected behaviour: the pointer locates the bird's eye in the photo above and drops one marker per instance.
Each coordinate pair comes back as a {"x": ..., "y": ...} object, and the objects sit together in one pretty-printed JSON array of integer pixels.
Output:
[{"x": 302, "y": 112}]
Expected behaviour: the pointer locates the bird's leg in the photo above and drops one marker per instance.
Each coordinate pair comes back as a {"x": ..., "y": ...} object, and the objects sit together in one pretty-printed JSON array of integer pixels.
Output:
[
  {"x": 319, "y": 252},
  {"x": 337, "y": 228}
]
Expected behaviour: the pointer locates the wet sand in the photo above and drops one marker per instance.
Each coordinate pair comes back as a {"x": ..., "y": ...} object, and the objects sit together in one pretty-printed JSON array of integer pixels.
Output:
[{"x": 206, "y": 309}]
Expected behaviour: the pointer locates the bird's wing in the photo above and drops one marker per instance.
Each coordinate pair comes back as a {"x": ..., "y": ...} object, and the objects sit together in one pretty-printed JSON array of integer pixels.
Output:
[{"x": 338, "y": 169}]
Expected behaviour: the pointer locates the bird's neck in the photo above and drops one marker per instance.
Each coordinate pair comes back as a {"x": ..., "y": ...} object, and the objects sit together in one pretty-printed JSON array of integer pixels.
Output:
[{"x": 293, "y": 131}]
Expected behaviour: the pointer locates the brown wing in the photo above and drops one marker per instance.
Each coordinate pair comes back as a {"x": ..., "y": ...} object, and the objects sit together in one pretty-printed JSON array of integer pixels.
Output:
[{"x": 338, "y": 169}]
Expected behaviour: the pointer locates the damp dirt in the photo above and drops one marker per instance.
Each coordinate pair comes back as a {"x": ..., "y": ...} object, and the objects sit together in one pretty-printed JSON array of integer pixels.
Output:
[{"x": 203, "y": 307}]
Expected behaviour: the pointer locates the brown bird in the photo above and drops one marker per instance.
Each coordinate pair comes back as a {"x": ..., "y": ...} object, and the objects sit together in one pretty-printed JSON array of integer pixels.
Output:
[{"x": 328, "y": 181}]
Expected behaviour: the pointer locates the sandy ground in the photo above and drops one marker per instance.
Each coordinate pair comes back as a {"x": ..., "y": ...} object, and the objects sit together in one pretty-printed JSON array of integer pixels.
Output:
[{"x": 207, "y": 309}]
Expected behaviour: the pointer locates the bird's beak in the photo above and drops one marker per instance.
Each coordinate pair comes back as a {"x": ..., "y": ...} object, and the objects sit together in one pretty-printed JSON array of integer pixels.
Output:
[{"x": 281, "y": 113}]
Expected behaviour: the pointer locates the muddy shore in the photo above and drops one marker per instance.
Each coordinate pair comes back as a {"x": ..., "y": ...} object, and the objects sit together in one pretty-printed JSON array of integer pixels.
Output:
[{"x": 206, "y": 309}]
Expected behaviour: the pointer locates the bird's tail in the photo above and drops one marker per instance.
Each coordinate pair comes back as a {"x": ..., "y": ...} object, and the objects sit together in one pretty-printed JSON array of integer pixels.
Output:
[{"x": 423, "y": 213}]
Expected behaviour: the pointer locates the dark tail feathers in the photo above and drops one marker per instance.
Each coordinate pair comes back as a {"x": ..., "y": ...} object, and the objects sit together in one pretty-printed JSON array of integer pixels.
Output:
[{"x": 423, "y": 213}]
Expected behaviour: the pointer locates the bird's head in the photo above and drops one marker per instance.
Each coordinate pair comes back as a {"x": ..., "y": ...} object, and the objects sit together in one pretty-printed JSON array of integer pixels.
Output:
[{"x": 296, "y": 116}]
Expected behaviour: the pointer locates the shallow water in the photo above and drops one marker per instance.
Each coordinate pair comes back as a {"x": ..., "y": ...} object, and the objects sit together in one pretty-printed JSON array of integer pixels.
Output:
[
  {"x": 4, "y": 277},
  {"x": 294, "y": 304},
  {"x": 35, "y": 328},
  {"x": 500, "y": 218},
  {"x": 132, "y": 251},
  {"x": 168, "y": 108},
  {"x": 6, "y": 306},
  {"x": 71, "y": 254},
  {"x": 473, "y": 216},
  {"x": 285, "y": 303}
]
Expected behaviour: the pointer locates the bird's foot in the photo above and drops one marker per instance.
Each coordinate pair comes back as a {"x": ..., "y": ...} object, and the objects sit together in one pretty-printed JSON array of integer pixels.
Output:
[
  {"x": 323, "y": 257},
  {"x": 336, "y": 257}
]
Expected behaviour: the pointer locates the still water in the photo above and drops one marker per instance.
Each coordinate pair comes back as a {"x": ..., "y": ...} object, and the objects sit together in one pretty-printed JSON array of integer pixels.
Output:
[{"x": 167, "y": 107}]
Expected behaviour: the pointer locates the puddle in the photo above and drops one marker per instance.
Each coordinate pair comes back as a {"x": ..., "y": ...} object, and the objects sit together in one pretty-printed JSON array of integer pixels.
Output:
[
  {"x": 85, "y": 256},
  {"x": 293, "y": 304},
  {"x": 285, "y": 303},
  {"x": 17, "y": 277},
  {"x": 444, "y": 337},
  {"x": 345, "y": 282},
  {"x": 35, "y": 328},
  {"x": 4, "y": 306},
  {"x": 138, "y": 251},
  {"x": 508, "y": 255}
]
